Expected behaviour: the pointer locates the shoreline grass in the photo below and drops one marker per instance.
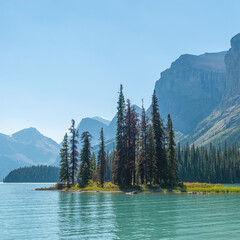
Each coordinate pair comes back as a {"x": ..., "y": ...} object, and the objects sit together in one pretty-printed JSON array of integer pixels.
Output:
[{"x": 189, "y": 188}]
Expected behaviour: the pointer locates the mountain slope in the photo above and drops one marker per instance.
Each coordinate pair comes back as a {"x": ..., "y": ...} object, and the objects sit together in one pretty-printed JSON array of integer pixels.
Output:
[
  {"x": 24, "y": 148},
  {"x": 223, "y": 124},
  {"x": 102, "y": 120},
  {"x": 94, "y": 125},
  {"x": 191, "y": 89}
]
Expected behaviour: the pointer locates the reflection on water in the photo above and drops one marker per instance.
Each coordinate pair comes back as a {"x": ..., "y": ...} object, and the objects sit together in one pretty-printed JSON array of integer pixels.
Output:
[
  {"x": 86, "y": 215},
  {"x": 146, "y": 216},
  {"x": 27, "y": 214}
]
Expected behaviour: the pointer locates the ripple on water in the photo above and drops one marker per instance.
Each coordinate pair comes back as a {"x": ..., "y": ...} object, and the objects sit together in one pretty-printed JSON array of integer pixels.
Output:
[{"x": 27, "y": 214}]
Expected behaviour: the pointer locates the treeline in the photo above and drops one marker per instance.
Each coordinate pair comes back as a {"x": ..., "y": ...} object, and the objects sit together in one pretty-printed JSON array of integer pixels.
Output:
[
  {"x": 144, "y": 154},
  {"x": 209, "y": 164},
  {"x": 33, "y": 174}
]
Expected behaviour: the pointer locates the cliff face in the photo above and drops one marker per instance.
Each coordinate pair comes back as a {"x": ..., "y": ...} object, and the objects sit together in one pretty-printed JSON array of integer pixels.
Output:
[
  {"x": 232, "y": 61},
  {"x": 191, "y": 89},
  {"x": 223, "y": 124}
]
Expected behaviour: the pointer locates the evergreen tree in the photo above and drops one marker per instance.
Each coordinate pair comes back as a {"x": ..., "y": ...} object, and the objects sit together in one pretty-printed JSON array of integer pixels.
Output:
[
  {"x": 93, "y": 167},
  {"x": 161, "y": 161},
  {"x": 101, "y": 159},
  {"x": 150, "y": 155},
  {"x": 171, "y": 154},
  {"x": 85, "y": 156},
  {"x": 64, "y": 173},
  {"x": 73, "y": 151},
  {"x": 210, "y": 164},
  {"x": 128, "y": 174},
  {"x": 143, "y": 167},
  {"x": 109, "y": 162},
  {"x": 179, "y": 160},
  {"x": 120, "y": 151}
]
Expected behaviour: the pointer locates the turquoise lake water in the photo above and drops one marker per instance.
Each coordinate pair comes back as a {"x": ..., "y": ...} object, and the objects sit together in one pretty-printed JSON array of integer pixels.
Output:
[{"x": 28, "y": 214}]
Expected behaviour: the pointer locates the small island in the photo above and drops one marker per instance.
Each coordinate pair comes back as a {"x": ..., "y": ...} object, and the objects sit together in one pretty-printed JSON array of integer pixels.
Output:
[
  {"x": 145, "y": 159},
  {"x": 108, "y": 187}
]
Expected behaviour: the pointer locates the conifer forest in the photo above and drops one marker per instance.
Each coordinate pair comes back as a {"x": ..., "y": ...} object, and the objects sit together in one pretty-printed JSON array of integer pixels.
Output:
[{"x": 145, "y": 153}]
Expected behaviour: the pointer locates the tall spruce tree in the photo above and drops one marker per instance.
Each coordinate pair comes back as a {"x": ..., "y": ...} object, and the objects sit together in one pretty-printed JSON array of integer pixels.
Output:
[
  {"x": 84, "y": 173},
  {"x": 171, "y": 154},
  {"x": 134, "y": 134},
  {"x": 73, "y": 151},
  {"x": 143, "y": 167},
  {"x": 101, "y": 159},
  {"x": 128, "y": 174},
  {"x": 109, "y": 161},
  {"x": 64, "y": 172},
  {"x": 151, "y": 155},
  {"x": 158, "y": 129},
  {"x": 120, "y": 148},
  {"x": 93, "y": 166}
]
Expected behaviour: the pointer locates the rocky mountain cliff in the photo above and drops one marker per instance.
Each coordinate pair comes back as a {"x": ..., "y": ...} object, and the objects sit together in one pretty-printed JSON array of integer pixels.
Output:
[
  {"x": 191, "y": 88},
  {"x": 202, "y": 94},
  {"x": 232, "y": 62},
  {"x": 223, "y": 124}
]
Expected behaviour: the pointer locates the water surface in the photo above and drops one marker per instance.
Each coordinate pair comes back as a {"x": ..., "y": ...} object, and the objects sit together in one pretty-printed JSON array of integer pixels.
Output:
[{"x": 28, "y": 214}]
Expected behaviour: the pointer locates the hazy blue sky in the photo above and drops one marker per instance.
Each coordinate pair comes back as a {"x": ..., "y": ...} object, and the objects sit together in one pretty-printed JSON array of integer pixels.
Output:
[{"x": 66, "y": 59}]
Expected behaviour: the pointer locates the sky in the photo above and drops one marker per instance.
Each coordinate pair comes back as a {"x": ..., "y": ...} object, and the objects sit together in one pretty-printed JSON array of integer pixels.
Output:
[{"x": 63, "y": 60}]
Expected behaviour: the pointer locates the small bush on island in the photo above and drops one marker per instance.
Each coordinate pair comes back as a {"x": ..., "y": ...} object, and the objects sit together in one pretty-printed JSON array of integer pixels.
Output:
[{"x": 95, "y": 186}]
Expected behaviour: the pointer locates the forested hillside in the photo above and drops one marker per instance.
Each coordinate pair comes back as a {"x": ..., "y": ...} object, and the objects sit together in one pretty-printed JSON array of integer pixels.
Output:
[
  {"x": 210, "y": 164},
  {"x": 33, "y": 174}
]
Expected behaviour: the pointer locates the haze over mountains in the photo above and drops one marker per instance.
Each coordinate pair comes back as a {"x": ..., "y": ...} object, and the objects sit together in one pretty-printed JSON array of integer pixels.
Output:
[
  {"x": 94, "y": 125},
  {"x": 24, "y": 148},
  {"x": 202, "y": 94}
]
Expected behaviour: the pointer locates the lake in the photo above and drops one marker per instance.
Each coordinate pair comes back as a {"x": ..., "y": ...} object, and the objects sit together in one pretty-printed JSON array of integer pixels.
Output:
[{"x": 28, "y": 214}]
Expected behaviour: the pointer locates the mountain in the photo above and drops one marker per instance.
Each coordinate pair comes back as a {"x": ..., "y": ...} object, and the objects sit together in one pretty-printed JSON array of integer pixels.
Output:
[
  {"x": 24, "y": 148},
  {"x": 202, "y": 94},
  {"x": 102, "y": 120},
  {"x": 223, "y": 124},
  {"x": 94, "y": 125},
  {"x": 191, "y": 88}
]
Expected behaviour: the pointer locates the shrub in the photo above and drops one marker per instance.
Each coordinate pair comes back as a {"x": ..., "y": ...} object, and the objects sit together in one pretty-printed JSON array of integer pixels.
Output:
[{"x": 59, "y": 186}]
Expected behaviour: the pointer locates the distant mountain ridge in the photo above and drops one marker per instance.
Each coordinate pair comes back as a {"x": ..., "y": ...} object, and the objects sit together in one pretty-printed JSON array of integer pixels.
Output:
[
  {"x": 24, "y": 148},
  {"x": 94, "y": 125},
  {"x": 102, "y": 120}
]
